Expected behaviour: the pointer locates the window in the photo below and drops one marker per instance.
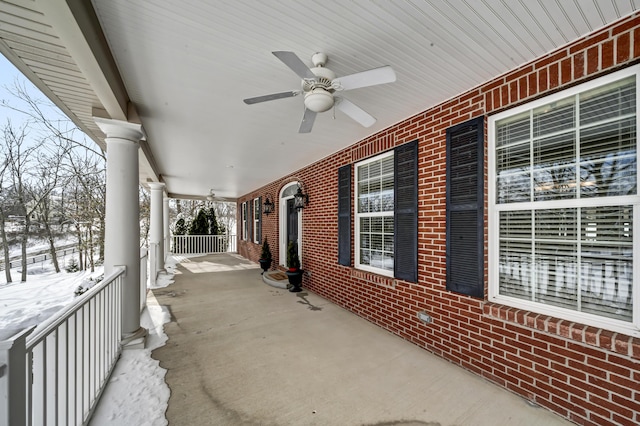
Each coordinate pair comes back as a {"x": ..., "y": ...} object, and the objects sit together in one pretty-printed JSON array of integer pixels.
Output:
[
  {"x": 257, "y": 221},
  {"x": 374, "y": 214},
  {"x": 563, "y": 199},
  {"x": 386, "y": 213},
  {"x": 245, "y": 223}
]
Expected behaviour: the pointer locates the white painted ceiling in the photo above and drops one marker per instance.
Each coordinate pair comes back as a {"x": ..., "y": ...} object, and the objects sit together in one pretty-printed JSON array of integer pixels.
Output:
[{"x": 187, "y": 65}]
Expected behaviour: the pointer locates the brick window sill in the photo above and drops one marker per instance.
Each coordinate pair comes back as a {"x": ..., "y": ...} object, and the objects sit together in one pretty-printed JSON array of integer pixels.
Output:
[
  {"x": 615, "y": 342},
  {"x": 372, "y": 278}
]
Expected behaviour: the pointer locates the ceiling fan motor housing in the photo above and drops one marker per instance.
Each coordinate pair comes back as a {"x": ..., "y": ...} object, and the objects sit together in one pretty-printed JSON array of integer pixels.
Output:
[
  {"x": 318, "y": 100},
  {"x": 318, "y": 95}
]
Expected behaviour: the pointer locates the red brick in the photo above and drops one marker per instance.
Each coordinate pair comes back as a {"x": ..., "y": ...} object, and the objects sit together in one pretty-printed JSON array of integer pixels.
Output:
[
  {"x": 566, "y": 70},
  {"x": 533, "y": 83},
  {"x": 593, "y": 59},
  {"x": 504, "y": 93},
  {"x": 623, "y": 48},
  {"x": 605, "y": 339},
  {"x": 513, "y": 91},
  {"x": 554, "y": 75},
  {"x": 543, "y": 80},
  {"x": 635, "y": 348},
  {"x": 578, "y": 65},
  {"x": 607, "y": 54}
]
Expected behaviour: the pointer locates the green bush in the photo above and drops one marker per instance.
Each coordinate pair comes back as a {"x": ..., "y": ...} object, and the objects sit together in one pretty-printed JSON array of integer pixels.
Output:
[
  {"x": 266, "y": 250},
  {"x": 72, "y": 265},
  {"x": 293, "y": 261}
]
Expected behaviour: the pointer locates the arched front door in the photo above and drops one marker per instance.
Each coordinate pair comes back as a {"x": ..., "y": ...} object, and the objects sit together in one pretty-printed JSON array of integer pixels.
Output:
[{"x": 290, "y": 222}]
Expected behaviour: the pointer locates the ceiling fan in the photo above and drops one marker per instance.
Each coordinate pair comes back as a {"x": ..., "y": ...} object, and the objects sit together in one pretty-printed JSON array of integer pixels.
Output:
[{"x": 319, "y": 85}]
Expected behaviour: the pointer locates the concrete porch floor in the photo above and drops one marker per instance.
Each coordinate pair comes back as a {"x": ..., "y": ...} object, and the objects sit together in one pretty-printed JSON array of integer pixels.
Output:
[{"x": 243, "y": 353}]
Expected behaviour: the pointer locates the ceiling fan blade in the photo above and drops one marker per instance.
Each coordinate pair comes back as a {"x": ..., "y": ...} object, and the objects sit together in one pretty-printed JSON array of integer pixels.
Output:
[
  {"x": 355, "y": 112},
  {"x": 307, "y": 121},
  {"x": 291, "y": 60},
  {"x": 372, "y": 77},
  {"x": 271, "y": 97}
]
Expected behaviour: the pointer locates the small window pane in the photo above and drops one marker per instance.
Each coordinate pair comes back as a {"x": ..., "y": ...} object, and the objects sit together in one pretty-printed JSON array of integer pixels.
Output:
[
  {"x": 513, "y": 129},
  {"x": 554, "y": 167},
  {"x": 555, "y": 117},
  {"x": 514, "y": 173},
  {"x": 610, "y": 101},
  {"x": 515, "y": 269},
  {"x": 557, "y": 224},
  {"x": 556, "y": 274},
  {"x": 608, "y": 160}
]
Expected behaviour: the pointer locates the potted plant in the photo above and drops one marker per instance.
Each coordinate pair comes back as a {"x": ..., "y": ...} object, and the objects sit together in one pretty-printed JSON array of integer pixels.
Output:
[
  {"x": 293, "y": 263},
  {"x": 265, "y": 257}
]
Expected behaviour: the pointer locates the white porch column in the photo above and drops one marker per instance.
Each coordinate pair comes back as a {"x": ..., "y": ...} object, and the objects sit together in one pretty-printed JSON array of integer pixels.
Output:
[
  {"x": 167, "y": 230},
  {"x": 122, "y": 219},
  {"x": 156, "y": 225}
]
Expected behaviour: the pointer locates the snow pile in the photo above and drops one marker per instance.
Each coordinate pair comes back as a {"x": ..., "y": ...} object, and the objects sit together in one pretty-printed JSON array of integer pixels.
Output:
[
  {"x": 137, "y": 393},
  {"x": 23, "y": 304}
]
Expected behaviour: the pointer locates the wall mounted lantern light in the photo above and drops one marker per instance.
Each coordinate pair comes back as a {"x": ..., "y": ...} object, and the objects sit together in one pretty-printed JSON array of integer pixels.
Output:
[
  {"x": 268, "y": 205},
  {"x": 300, "y": 199}
]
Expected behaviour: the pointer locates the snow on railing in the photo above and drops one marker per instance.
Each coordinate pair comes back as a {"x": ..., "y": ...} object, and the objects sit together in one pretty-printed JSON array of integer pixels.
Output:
[
  {"x": 202, "y": 244},
  {"x": 55, "y": 373}
]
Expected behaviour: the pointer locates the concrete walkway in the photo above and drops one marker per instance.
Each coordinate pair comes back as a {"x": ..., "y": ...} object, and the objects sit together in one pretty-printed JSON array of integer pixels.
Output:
[{"x": 243, "y": 353}]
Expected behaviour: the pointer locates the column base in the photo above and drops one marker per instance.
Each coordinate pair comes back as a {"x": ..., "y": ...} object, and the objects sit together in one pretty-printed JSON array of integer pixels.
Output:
[{"x": 135, "y": 340}]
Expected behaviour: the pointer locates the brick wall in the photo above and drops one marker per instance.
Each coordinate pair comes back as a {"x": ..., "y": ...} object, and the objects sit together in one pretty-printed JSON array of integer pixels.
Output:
[{"x": 585, "y": 374}]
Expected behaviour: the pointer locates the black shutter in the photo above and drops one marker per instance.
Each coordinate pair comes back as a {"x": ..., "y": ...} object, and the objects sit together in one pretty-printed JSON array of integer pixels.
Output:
[
  {"x": 344, "y": 215},
  {"x": 406, "y": 212},
  {"x": 465, "y": 208},
  {"x": 259, "y": 219}
]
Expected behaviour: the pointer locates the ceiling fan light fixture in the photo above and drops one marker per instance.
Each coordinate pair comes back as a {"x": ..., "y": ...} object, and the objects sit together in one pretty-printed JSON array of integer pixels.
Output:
[{"x": 318, "y": 100}]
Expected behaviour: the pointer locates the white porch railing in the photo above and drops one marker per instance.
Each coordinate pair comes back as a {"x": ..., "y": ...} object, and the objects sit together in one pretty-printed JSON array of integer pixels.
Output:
[
  {"x": 55, "y": 373},
  {"x": 203, "y": 244}
]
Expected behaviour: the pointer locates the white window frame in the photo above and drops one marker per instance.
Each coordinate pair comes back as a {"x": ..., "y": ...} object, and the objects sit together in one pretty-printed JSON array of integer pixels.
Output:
[
  {"x": 358, "y": 216},
  {"x": 630, "y": 328},
  {"x": 245, "y": 229},
  {"x": 256, "y": 220}
]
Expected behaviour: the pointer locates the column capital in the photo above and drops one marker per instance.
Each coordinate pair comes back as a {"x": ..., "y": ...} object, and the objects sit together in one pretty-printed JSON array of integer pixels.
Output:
[
  {"x": 120, "y": 129},
  {"x": 156, "y": 186}
]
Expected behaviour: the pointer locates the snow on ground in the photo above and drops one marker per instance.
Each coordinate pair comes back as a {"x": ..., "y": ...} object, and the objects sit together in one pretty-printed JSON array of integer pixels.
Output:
[
  {"x": 23, "y": 304},
  {"x": 136, "y": 393}
]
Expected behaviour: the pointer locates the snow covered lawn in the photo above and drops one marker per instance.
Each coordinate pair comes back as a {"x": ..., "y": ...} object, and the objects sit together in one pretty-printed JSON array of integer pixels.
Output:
[{"x": 136, "y": 393}]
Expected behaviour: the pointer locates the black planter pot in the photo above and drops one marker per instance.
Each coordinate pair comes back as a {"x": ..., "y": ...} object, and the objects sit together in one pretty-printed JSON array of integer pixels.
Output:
[
  {"x": 295, "y": 279},
  {"x": 265, "y": 264}
]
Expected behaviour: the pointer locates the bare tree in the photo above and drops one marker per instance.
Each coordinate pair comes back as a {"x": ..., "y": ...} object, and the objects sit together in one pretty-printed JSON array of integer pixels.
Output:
[
  {"x": 85, "y": 202},
  {"x": 145, "y": 214},
  {"x": 67, "y": 160},
  {"x": 21, "y": 156},
  {"x": 3, "y": 234}
]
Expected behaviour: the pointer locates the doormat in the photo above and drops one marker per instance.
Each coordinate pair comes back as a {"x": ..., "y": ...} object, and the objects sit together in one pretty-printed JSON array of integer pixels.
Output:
[{"x": 277, "y": 275}]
